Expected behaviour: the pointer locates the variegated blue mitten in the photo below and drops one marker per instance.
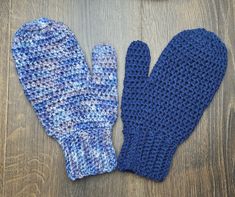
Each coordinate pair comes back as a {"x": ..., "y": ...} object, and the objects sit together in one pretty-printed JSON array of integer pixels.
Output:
[{"x": 76, "y": 107}]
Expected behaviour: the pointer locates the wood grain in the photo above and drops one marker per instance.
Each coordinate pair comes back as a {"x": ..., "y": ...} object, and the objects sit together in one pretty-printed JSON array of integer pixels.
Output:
[
  {"x": 32, "y": 164},
  {"x": 4, "y": 62}
]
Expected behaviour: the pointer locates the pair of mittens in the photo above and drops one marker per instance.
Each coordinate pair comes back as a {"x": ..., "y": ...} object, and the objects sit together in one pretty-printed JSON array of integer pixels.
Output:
[
  {"x": 160, "y": 111},
  {"x": 76, "y": 106}
]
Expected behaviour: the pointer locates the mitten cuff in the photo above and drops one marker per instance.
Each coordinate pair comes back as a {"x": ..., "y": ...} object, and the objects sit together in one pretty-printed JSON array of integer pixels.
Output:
[
  {"x": 147, "y": 154},
  {"x": 88, "y": 154}
]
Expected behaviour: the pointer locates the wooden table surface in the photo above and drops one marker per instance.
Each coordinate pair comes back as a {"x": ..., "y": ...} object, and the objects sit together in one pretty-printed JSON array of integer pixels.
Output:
[{"x": 32, "y": 164}]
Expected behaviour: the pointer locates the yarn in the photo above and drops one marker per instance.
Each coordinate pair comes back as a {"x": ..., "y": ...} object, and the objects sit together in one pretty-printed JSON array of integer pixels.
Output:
[
  {"x": 76, "y": 107},
  {"x": 160, "y": 111}
]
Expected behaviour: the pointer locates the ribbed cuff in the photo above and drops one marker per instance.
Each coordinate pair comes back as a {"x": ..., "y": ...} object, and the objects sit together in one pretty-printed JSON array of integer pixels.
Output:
[
  {"x": 87, "y": 154},
  {"x": 147, "y": 154}
]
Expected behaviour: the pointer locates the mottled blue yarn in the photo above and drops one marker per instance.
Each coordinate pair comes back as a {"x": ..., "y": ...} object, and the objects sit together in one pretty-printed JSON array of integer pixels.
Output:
[
  {"x": 76, "y": 107},
  {"x": 160, "y": 111}
]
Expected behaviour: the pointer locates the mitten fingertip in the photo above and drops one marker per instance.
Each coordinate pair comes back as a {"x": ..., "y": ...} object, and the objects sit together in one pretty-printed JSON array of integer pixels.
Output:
[
  {"x": 139, "y": 48},
  {"x": 100, "y": 50}
]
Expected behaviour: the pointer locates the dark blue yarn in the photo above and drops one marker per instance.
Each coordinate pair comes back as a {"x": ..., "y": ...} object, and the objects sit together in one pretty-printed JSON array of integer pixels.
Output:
[{"x": 160, "y": 111}]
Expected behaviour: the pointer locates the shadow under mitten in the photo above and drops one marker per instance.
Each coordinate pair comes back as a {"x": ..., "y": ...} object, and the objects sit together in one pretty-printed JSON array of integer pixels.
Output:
[
  {"x": 75, "y": 107},
  {"x": 160, "y": 111}
]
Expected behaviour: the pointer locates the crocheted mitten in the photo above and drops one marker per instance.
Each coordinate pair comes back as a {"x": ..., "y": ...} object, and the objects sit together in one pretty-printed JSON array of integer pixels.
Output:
[
  {"x": 159, "y": 112},
  {"x": 75, "y": 107}
]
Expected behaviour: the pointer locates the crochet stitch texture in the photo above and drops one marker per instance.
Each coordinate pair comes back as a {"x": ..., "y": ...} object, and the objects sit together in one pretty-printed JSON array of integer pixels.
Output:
[
  {"x": 160, "y": 111},
  {"x": 76, "y": 107}
]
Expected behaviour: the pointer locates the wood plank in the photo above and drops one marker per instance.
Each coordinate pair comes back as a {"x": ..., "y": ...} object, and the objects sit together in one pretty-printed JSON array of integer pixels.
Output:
[
  {"x": 34, "y": 162},
  {"x": 4, "y": 67},
  {"x": 31, "y": 156},
  {"x": 204, "y": 165}
]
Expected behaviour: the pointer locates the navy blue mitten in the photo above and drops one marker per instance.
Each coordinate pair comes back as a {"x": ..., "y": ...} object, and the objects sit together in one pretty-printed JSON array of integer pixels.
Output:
[{"x": 160, "y": 111}]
